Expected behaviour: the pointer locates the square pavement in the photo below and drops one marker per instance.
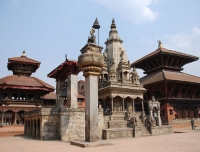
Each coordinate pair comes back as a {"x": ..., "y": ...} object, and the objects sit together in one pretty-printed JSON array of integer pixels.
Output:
[{"x": 185, "y": 140}]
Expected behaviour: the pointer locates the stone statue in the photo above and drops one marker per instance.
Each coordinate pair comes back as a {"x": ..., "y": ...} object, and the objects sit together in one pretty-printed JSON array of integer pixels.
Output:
[
  {"x": 105, "y": 56},
  {"x": 92, "y": 38},
  {"x": 112, "y": 62},
  {"x": 121, "y": 55}
]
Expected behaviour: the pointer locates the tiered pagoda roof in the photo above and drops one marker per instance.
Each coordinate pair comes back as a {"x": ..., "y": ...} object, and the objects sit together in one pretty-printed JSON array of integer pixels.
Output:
[
  {"x": 23, "y": 65},
  {"x": 164, "y": 79},
  {"x": 165, "y": 75},
  {"x": 22, "y": 68},
  {"x": 163, "y": 58}
]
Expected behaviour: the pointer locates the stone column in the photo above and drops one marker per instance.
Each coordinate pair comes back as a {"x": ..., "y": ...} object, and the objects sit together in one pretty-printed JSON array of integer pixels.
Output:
[
  {"x": 91, "y": 115},
  {"x": 30, "y": 133},
  {"x": 72, "y": 91},
  {"x": 104, "y": 105},
  {"x": 122, "y": 104},
  {"x": 159, "y": 119},
  {"x": 91, "y": 62},
  {"x": 150, "y": 113},
  {"x": 36, "y": 129},
  {"x": 2, "y": 117},
  {"x": 29, "y": 128},
  {"x": 59, "y": 101},
  {"x": 25, "y": 127},
  {"x": 112, "y": 104},
  {"x": 133, "y": 106},
  {"x": 15, "y": 118},
  {"x": 33, "y": 130},
  {"x": 142, "y": 107}
]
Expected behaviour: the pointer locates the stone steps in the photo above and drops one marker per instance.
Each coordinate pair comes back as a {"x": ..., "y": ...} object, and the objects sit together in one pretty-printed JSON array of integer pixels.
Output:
[
  {"x": 145, "y": 131},
  {"x": 117, "y": 124},
  {"x": 117, "y": 127},
  {"x": 117, "y": 117}
]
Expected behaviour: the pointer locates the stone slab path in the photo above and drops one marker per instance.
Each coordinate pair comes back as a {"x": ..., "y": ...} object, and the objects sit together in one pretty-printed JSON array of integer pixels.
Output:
[{"x": 186, "y": 140}]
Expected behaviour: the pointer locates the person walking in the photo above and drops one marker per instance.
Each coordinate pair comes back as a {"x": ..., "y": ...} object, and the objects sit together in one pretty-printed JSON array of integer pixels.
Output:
[{"x": 192, "y": 123}]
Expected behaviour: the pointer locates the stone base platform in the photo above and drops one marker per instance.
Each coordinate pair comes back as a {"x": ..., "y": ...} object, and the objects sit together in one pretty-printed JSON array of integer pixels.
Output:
[
  {"x": 113, "y": 133},
  {"x": 86, "y": 144}
]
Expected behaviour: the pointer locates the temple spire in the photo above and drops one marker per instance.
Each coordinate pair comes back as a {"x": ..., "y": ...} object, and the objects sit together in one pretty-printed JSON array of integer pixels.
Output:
[
  {"x": 113, "y": 25},
  {"x": 160, "y": 44},
  {"x": 24, "y": 53}
]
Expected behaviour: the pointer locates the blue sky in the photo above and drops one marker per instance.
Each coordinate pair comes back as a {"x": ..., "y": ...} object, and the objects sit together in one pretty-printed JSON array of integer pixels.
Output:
[{"x": 49, "y": 29}]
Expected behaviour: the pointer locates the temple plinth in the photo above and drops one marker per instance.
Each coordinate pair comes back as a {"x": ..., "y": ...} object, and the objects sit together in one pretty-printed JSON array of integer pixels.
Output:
[{"x": 91, "y": 61}]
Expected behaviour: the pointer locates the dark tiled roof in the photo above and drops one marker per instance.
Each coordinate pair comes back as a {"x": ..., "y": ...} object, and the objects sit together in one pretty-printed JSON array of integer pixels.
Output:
[
  {"x": 14, "y": 81},
  {"x": 170, "y": 76},
  {"x": 163, "y": 50},
  {"x": 54, "y": 72},
  {"x": 50, "y": 96},
  {"x": 23, "y": 59}
]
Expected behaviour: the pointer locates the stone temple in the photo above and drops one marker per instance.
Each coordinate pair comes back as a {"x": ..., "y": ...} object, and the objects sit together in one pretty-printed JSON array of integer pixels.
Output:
[{"x": 112, "y": 88}]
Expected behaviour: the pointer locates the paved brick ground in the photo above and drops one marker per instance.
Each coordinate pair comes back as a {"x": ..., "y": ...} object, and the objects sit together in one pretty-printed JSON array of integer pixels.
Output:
[
  {"x": 7, "y": 131},
  {"x": 186, "y": 141}
]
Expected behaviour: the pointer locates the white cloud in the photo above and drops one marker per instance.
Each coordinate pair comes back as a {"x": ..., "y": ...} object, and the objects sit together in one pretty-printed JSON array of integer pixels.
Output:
[
  {"x": 196, "y": 30},
  {"x": 181, "y": 42},
  {"x": 188, "y": 43},
  {"x": 133, "y": 10}
]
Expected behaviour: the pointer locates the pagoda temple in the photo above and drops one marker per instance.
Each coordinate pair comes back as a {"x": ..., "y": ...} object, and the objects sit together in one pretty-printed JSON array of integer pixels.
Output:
[
  {"x": 178, "y": 92},
  {"x": 21, "y": 92}
]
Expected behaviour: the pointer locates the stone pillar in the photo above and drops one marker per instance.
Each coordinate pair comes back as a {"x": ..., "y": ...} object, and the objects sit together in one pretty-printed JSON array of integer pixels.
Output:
[
  {"x": 36, "y": 129},
  {"x": 91, "y": 115},
  {"x": 159, "y": 119},
  {"x": 28, "y": 128},
  {"x": 133, "y": 106},
  {"x": 104, "y": 105},
  {"x": 91, "y": 62},
  {"x": 15, "y": 118},
  {"x": 59, "y": 101},
  {"x": 122, "y": 104},
  {"x": 30, "y": 133},
  {"x": 25, "y": 127},
  {"x": 2, "y": 117},
  {"x": 142, "y": 107},
  {"x": 72, "y": 91},
  {"x": 150, "y": 113},
  {"x": 112, "y": 104}
]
